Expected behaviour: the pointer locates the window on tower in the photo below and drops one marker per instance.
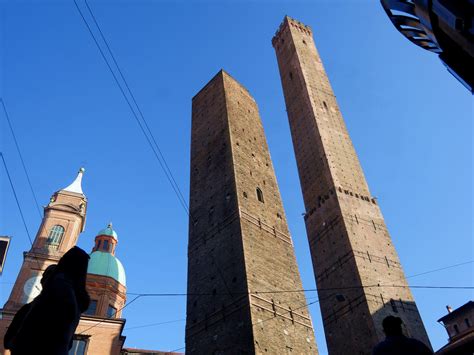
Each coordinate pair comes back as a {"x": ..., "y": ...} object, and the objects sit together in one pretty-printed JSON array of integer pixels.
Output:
[
  {"x": 79, "y": 345},
  {"x": 105, "y": 245},
  {"x": 92, "y": 308},
  {"x": 260, "y": 195},
  {"x": 111, "y": 311},
  {"x": 55, "y": 235},
  {"x": 394, "y": 306}
]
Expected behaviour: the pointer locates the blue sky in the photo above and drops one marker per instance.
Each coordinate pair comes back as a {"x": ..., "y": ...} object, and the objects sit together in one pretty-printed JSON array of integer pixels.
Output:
[{"x": 409, "y": 119}]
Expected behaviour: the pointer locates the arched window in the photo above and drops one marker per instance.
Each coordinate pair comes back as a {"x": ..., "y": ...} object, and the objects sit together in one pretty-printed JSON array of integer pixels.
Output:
[
  {"x": 260, "y": 195},
  {"x": 105, "y": 245},
  {"x": 55, "y": 235}
]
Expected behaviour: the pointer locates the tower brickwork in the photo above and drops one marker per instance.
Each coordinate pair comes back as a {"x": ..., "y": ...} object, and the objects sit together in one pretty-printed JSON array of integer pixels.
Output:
[
  {"x": 239, "y": 248},
  {"x": 64, "y": 219},
  {"x": 349, "y": 242}
]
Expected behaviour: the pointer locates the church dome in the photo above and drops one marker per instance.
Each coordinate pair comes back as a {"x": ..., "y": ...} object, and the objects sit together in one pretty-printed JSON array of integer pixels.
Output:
[
  {"x": 108, "y": 231},
  {"x": 106, "y": 264}
]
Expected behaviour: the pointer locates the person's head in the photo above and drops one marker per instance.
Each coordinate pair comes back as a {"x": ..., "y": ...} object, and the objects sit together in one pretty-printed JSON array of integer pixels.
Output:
[
  {"x": 392, "y": 326},
  {"x": 73, "y": 265},
  {"x": 47, "y": 274}
]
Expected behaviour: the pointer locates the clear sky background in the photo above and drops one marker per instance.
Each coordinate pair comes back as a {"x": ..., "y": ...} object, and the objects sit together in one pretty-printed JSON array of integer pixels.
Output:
[{"x": 409, "y": 119}]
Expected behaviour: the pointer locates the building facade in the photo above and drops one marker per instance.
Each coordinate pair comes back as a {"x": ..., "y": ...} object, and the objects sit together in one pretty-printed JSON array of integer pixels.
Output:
[
  {"x": 100, "y": 328},
  {"x": 240, "y": 250},
  {"x": 352, "y": 252},
  {"x": 444, "y": 27},
  {"x": 459, "y": 325}
]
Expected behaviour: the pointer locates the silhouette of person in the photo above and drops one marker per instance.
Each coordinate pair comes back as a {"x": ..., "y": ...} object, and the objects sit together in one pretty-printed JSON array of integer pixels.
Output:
[
  {"x": 50, "y": 322},
  {"x": 9, "y": 339},
  {"x": 396, "y": 343}
]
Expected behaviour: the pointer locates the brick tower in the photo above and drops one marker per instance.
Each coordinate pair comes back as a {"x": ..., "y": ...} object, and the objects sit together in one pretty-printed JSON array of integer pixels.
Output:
[
  {"x": 100, "y": 327},
  {"x": 64, "y": 219},
  {"x": 239, "y": 241},
  {"x": 349, "y": 242}
]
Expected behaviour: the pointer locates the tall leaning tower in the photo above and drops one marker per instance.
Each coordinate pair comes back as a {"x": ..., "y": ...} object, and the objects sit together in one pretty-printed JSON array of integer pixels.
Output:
[
  {"x": 353, "y": 256},
  {"x": 240, "y": 249}
]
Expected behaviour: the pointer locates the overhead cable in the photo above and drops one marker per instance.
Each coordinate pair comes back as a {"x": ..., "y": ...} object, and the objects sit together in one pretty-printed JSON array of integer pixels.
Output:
[
  {"x": 16, "y": 199},
  {"x": 151, "y": 141},
  {"x": 300, "y": 290},
  {"x": 21, "y": 158}
]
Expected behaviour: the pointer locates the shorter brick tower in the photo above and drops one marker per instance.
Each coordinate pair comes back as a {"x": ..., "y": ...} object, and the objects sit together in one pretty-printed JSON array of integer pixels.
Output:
[{"x": 240, "y": 251}]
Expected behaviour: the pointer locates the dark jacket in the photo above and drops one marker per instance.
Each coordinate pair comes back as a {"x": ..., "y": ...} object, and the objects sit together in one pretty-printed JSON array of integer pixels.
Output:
[
  {"x": 15, "y": 325},
  {"x": 49, "y": 325},
  {"x": 401, "y": 345}
]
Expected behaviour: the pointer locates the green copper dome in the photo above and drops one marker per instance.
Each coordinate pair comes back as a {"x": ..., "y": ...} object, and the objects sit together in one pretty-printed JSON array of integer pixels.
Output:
[
  {"x": 106, "y": 264},
  {"x": 108, "y": 231}
]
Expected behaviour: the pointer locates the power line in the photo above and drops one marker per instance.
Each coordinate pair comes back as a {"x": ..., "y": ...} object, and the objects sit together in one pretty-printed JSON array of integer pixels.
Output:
[
  {"x": 136, "y": 104},
  {"x": 309, "y": 290},
  {"x": 16, "y": 199},
  {"x": 182, "y": 348},
  {"x": 155, "y": 324},
  {"x": 21, "y": 157},
  {"x": 19, "y": 209},
  {"x": 155, "y": 148},
  {"x": 442, "y": 287},
  {"x": 112, "y": 316},
  {"x": 440, "y": 269}
]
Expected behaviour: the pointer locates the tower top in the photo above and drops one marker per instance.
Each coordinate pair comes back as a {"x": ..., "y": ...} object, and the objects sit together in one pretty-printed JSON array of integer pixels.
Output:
[
  {"x": 291, "y": 22},
  {"x": 103, "y": 260},
  {"x": 108, "y": 231},
  {"x": 221, "y": 76},
  {"x": 76, "y": 185}
]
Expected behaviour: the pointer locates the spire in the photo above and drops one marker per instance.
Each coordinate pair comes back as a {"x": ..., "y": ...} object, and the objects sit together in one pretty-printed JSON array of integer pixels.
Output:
[{"x": 76, "y": 184}]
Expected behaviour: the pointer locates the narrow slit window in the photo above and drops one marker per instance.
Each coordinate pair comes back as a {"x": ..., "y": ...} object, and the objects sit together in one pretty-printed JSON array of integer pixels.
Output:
[
  {"x": 394, "y": 306},
  {"x": 260, "y": 195}
]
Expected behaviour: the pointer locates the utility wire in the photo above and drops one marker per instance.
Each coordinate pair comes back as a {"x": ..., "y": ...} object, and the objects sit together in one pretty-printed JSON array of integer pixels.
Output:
[
  {"x": 179, "y": 320},
  {"x": 112, "y": 316},
  {"x": 21, "y": 158},
  {"x": 419, "y": 274},
  {"x": 172, "y": 351},
  {"x": 16, "y": 199},
  {"x": 302, "y": 290},
  {"x": 156, "y": 150},
  {"x": 440, "y": 269},
  {"x": 136, "y": 104},
  {"x": 155, "y": 324},
  {"x": 21, "y": 211}
]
